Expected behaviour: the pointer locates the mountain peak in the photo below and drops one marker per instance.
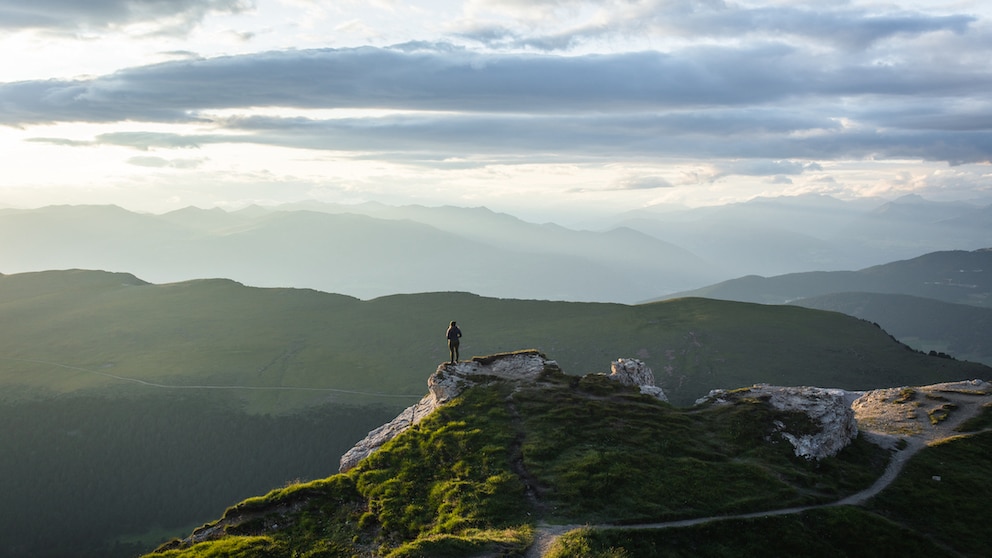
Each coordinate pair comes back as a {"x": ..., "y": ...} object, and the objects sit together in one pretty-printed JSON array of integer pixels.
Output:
[
  {"x": 450, "y": 380},
  {"x": 529, "y": 452}
]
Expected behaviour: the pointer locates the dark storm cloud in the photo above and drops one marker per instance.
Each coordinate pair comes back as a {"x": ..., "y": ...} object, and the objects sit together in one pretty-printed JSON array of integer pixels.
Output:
[{"x": 73, "y": 15}]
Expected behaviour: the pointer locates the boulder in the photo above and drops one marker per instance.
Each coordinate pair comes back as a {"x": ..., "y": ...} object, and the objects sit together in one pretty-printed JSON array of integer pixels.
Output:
[
  {"x": 829, "y": 409},
  {"x": 633, "y": 372}
]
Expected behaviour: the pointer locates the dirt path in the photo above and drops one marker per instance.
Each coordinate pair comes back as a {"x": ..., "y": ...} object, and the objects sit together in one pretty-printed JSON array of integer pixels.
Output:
[{"x": 885, "y": 416}]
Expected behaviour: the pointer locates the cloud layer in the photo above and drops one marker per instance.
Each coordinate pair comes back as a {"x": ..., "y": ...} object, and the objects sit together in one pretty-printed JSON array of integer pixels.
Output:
[
  {"x": 767, "y": 101},
  {"x": 758, "y": 88},
  {"x": 71, "y": 16}
]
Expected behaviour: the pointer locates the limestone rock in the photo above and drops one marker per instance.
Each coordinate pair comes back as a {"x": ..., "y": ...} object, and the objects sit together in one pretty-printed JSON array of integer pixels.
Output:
[
  {"x": 448, "y": 382},
  {"x": 633, "y": 372},
  {"x": 829, "y": 409}
]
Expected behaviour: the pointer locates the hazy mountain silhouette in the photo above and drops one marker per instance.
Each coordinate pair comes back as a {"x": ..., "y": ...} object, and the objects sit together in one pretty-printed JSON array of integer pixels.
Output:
[
  {"x": 958, "y": 276},
  {"x": 354, "y": 254},
  {"x": 773, "y": 236},
  {"x": 371, "y": 250}
]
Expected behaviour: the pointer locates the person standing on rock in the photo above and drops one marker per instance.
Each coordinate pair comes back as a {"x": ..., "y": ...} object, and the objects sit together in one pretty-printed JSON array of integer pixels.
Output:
[{"x": 453, "y": 335}]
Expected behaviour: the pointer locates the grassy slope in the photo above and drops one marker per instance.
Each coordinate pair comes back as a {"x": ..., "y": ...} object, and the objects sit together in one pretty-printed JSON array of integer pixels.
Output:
[
  {"x": 937, "y": 507},
  {"x": 477, "y": 475},
  {"x": 821, "y": 533},
  {"x": 221, "y": 333},
  {"x": 923, "y": 323}
]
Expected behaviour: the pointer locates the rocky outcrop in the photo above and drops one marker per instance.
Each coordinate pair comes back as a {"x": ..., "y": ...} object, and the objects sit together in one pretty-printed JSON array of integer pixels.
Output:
[
  {"x": 632, "y": 372},
  {"x": 448, "y": 382},
  {"x": 829, "y": 409}
]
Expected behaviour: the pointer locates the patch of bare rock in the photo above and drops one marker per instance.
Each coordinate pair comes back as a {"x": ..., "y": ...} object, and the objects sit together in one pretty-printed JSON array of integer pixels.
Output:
[
  {"x": 924, "y": 413},
  {"x": 830, "y": 409}
]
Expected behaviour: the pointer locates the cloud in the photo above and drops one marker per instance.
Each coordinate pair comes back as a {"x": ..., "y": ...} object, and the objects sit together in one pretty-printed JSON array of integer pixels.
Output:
[
  {"x": 63, "y": 142},
  {"x": 705, "y": 78},
  {"x": 95, "y": 15},
  {"x": 554, "y": 26},
  {"x": 643, "y": 183},
  {"x": 758, "y": 167},
  {"x": 845, "y": 27},
  {"x": 147, "y": 140},
  {"x": 584, "y": 137},
  {"x": 765, "y": 103},
  {"x": 159, "y": 162}
]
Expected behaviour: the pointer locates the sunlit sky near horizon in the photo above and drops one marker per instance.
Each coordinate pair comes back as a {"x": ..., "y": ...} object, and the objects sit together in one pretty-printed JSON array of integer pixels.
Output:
[{"x": 538, "y": 108}]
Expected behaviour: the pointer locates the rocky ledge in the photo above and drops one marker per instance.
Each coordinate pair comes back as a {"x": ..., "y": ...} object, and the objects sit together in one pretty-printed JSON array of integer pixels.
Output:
[
  {"x": 831, "y": 426},
  {"x": 829, "y": 409},
  {"x": 450, "y": 380}
]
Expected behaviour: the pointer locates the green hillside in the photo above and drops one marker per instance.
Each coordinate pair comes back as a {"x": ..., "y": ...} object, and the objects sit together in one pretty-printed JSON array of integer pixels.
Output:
[
  {"x": 104, "y": 379},
  {"x": 72, "y": 331},
  {"x": 937, "y": 507},
  {"x": 922, "y": 323},
  {"x": 484, "y": 473},
  {"x": 476, "y": 476}
]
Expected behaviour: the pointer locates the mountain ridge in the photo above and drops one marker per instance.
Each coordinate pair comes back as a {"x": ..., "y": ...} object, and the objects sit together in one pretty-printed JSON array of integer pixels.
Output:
[
  {"x": 629, "y": 258},
  {"x": 197, "y": 333},
  {"x": 274, "y": 520},
  {"x": 957, "y": 276},
  {"x": 350, "y": 252}
]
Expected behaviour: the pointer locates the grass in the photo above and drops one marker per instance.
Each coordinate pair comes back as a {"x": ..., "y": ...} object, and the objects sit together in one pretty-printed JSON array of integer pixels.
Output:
[
  {"x": 653, "y": 462},
  {"x": 234, "y": 547},
  {"x": 826, "y": 533},
  {"x": 939, "y": 414},
  {"x": 954, "y": 509},
  {"x": 981, "y": 421}
]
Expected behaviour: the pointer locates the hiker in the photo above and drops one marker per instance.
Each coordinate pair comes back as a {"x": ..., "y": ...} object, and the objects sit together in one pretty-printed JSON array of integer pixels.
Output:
[{"x": 453, "y": 335}]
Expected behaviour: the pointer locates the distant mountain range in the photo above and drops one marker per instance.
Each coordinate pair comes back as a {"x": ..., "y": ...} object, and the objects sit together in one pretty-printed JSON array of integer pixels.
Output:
[
  {"x": 774, "y": 236},
  {"x": 351, "y": 253},
  {"x": 940, "y": 301},
  {"x": 372, "y": 250},
  {"x": 959, "y": 277}
]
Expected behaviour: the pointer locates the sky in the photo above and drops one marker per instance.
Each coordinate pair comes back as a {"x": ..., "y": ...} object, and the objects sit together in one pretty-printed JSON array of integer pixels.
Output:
[{"x": 541, "y": 108}]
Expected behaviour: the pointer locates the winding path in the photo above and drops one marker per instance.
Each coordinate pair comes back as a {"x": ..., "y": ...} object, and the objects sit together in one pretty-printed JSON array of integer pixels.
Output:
[{"x": 968, "y": 405}]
